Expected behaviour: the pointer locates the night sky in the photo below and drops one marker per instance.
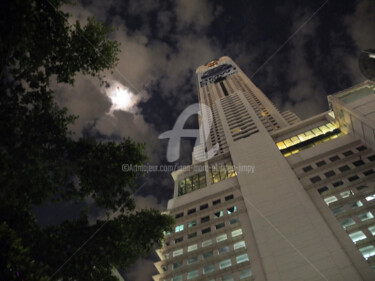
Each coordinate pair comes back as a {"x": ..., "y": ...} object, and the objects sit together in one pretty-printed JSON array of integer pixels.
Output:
[{"x": 163, "y": 42}]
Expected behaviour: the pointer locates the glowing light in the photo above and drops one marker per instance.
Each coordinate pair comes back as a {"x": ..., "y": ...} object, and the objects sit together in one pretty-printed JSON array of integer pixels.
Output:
[{"x": 121, "y": 97}]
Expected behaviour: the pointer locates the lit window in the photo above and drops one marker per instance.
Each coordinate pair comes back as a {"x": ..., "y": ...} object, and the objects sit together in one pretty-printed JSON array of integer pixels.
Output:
[
  {"x": 177, "y": 278},
  {"x": 347, "y": 222},
  {"x": 192, "y": 274},
  {"x": 221, "y": 238},
  {"x": 192, "y": 260},
  {"x": 206, "y": 243},
  {"x": 245, "y": 273},
  {"x": 330, "y": 199},
  {"x": 208, "y": 269},
  {"x": 192, "y": 248},
  {"x": 236, "y": 232},
  {"x": 179, "y": 228},
  {"x": 218, "y": 214},
  {"x": 355, "y": 204},
  {"x": 238, "y": 245},
  {"x": 167, "y": 233},
  {"x": 365, "y": 216},
  {"x": 371, "y": 197},
  {"x": 176, "y": 265},
  {"x": 368, "y": 251},
  {"x": 223, "y": 250},
  {"x": 242, "y": 258},
  {"x": 372, "y": 229},
  {"x": 231, "y": 210},
  {"x": 346, "y": 193},
  {"x": 225, "y": 263},
  {"x": 207, "y": 255},
  {"x": 357, "y": 236},
  {"x": 192, "y": 223},
  {"x": 178, "y": 252}
]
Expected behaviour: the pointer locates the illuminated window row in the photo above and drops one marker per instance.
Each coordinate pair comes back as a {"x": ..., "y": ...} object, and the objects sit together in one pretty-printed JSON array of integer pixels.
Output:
[
  {"x": 192, "y": 183},
  {"x": 311, "y": 143},
  {"x": 208, "y": 242},
  {"x": 221, "y": 172},
  {"x": 306, "y": 136}
]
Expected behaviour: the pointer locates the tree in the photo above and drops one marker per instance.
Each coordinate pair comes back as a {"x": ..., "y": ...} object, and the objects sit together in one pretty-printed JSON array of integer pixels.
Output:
[{"x": 39, "y": 159}]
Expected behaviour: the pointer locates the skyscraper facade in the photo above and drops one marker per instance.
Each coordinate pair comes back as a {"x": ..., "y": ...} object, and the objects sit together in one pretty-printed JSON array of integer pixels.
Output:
[{"x": 282, "y": 199}]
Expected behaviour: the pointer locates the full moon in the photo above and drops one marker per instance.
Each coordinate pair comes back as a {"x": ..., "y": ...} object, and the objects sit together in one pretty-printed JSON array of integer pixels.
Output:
[{"x": 121, "y": 96}]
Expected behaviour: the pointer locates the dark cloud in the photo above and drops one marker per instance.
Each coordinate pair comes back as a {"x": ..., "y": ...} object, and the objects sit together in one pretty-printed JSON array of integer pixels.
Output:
[{"x": 162, "y": 43}]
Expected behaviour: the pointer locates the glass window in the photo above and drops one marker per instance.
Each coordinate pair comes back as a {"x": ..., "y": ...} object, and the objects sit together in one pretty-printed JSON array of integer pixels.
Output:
[
  {"x": 208, "y": 255},
  {"x": 228, "y": 277},
  {"x": 371, "y": 197},
  {"x": 315, "y": 179},
  {"x": 355, "y": 204},
  {"x": 307, "y": 168},
  {"x": 329, "y": 174},
  {"x": 178, "y": 252},
  {"x": 192, "y": 247},
  {"x": 178, "y": 240},
  {"x": 208, "y": 269},
  {"x": 234, "y": 220},
  {"x": 348, "y": 153},
  {"x": 179, "y": 215},
  {"x": 344, "y": 168},
  {"x": 242, "y": 258},
  {"x": 368, "y": 251},
  {"x": 372, "y": 229},
  {"x": 236, "y": 232},
  {"x": 177, "y": 278},
  {"x": 358, "y": 163},
  {"x": 231, "y": 210},
  {"x": 353, "y": 178},
  {"x": 338, "y": 210},
  {"x": 229, "y": 197},
  {"x": 223, "y": 250},
  {"x": 191, "y": 211},
  {"x": 321, "y": 163},
  {"x": 192, "y": 223},
  {"x": 220, "y": 225},
  {"x": 225, "y": 263},
  {"x": 347, "y": 222},
  {"x": 192, "y": 235},
  {"x": 346, "y": 193},
  {"x": 239, "y": 244},
  {"x": 322, "y": 189},
  {"x": 215, "y": 202},
  {"x": 192, "y": 274},
  {"x": 245, "y": 273},
  {"x": 204, "y": 206},
  {"x": 218, "y": 214},
  {"x": 357, "y": 236},
  {"x": 221, "y": 237},
  {"x": 334, "y": 158},
  {"x": 202, "y": 180},
  {"x": 179, "y": 228},
  {"x": 176, "y": 265},
  {"x": 338, "y": 183},
  {"x": 205, "y": 219},
  {"x": 181, "y": 187},
  {"x": 365, "y": 216},
  {"x": 330, "y": 199},
  {"x": 206, "y": 230},
  {"x": 192, "y": 260},
  {"x": 206, "y": 243}
]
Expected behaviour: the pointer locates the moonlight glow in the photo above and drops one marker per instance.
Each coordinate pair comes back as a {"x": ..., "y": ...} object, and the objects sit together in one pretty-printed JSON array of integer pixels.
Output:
[{"x": 121, "y": 97}]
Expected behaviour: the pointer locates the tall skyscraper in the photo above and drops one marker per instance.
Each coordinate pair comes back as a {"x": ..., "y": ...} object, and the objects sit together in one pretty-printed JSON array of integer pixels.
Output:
[{"x": 283, "y": 199}]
